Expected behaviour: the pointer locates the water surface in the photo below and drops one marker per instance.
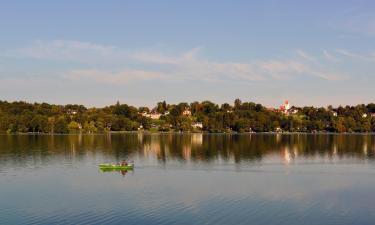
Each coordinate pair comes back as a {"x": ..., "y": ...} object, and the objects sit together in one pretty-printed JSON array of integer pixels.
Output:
[{"x": 188, "y": 179}]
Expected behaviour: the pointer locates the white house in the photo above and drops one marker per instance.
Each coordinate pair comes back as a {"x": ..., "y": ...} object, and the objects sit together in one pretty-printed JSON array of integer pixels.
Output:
[
  {"x": 186, "y": 112},
  {"x": 72, "y": 112},
  {"x": 197, "y": 125},
  {"x": 293, "y": 110},
  {"x": 152, "y": 115},
  {"x": 155, "y": 116}
]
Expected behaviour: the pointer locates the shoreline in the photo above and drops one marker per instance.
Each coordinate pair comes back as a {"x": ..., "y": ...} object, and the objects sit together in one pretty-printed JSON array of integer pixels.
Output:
[{"x": 188, "y": 133}]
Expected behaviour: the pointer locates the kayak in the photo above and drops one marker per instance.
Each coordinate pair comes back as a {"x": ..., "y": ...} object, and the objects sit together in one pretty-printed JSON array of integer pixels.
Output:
[
  {"x": 116, "y": 167},
  {"x": 114, "y": 170}
]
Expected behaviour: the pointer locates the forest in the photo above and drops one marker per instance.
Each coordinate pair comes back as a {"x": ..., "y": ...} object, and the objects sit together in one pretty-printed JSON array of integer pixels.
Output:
[{"x": 205, "y": 116}]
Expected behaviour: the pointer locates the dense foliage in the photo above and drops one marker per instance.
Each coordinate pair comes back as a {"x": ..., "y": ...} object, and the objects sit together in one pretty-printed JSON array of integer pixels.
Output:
[{"x": 240, "y": 117}]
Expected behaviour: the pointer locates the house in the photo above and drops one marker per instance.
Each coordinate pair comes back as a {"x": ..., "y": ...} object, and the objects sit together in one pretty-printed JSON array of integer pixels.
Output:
[
  {"x": 278, "y": 129},
  {"x": 145, "y": 114},
  {"x": 293, "y": 110},
  {"x": 197, "y": 125},
  {"x": 72, "y": 112},
  {"x": 153, "y": 115},
  {"x": 186, "y": 112}
]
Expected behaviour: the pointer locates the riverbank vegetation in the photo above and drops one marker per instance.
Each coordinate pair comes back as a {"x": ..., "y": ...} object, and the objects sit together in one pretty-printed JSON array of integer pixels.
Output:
[{"x": 197, "y": 116}]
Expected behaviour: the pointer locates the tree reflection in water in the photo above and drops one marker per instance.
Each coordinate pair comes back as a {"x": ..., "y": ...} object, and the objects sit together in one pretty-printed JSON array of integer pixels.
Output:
[{"x": 17, "y": 149}]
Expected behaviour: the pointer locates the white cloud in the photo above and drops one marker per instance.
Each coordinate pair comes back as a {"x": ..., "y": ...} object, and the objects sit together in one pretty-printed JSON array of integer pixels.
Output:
[
  {"x": 363, "y": 57},
  {"x": 347, "y": 53},
  {"x": 327, "y": 75},
  {"x": 189, "y": 66},
  {"x": 282, "y": 68},
  {"x": 304, "y": 55},
  {"x": 157, "y": 57},
  {"x": 330, "y": 57},
  {"x": 156, "y": 65},
  {"x": 153, "y": 58},
  {"x": 288, "y": 69},
  {"x": 65, "y": 50},
  {"x": 109, "y": 77},
  {"x": 204, "y": 70}
]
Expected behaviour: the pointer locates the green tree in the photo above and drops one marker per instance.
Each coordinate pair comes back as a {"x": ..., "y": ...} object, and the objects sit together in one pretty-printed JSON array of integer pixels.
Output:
[
  {"x": 39, "y": 123},
  {"x": 237, "y": 104},
  {"x": 74, "y": 127},
  {"x": 61, "y": 126},
  {"x": 161, "y": 107},
  {"x": 89, "y": 127},
  {"x": 339, "y": 125}
]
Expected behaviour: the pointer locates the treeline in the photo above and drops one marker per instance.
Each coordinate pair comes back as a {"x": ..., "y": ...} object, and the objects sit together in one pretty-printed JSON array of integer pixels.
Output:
[{"x": 197, "y": 116}]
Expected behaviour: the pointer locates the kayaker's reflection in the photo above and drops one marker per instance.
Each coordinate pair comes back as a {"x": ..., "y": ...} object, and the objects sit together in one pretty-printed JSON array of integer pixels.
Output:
[{"x": 123, "y": 172}]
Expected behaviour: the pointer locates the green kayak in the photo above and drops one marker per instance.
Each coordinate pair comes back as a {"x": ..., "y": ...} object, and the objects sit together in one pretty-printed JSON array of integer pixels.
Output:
[{"x": 116, "y": 167}]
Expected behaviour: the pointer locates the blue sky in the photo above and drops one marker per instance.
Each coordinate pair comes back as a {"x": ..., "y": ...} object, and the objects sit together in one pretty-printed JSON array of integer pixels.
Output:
[{"x": 140, "y": 52}]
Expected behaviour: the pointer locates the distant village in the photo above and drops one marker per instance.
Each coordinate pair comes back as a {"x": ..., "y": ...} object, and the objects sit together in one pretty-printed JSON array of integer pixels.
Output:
[
  {"x": 206, "y": 116},
  {"x": 156, "y": 116},
  {"x": 292, "y": 110},
  {"x": 153, "y": 114},
  {"x": 285, "y": 109}
]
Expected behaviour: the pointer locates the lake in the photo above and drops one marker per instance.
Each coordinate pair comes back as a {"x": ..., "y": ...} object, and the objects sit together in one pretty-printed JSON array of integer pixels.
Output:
[{"x": 188, "y": 179}]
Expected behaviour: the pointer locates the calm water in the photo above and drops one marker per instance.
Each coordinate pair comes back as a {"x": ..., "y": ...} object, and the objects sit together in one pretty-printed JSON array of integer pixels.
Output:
[{"x": 188, "y": 179}]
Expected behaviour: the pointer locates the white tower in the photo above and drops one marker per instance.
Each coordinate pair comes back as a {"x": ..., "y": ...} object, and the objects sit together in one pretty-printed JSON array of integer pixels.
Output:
[{"x": 286, "y": 105}]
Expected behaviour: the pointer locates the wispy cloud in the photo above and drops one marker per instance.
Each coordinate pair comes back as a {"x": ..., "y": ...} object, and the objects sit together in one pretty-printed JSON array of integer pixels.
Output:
[
  {"x": 328, "y": 75},
  {"x": 330, "y": 57},
  {"x": 117, "y": 71},
  {"x": 114, "y": 78},
  {"x": 189, "y": 65},
  {"x": 159, "y": 58},
  {"x": 281, "y": 69},
  {"x": 66, "y": 50},
  {"x": 357, "y": 56},
  {"x": 305, "y": 55}
]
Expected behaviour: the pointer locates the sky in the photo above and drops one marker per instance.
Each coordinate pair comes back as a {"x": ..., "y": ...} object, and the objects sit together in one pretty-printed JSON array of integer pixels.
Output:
[{"x": 98, "y": 52}]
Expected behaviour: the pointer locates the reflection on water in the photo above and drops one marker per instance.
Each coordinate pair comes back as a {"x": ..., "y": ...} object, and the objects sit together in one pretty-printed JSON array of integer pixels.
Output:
[
  {"x": 186, "y": 147},
  {"x": 123, "y": 172},
  {"x": 188, "y": 179}
]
